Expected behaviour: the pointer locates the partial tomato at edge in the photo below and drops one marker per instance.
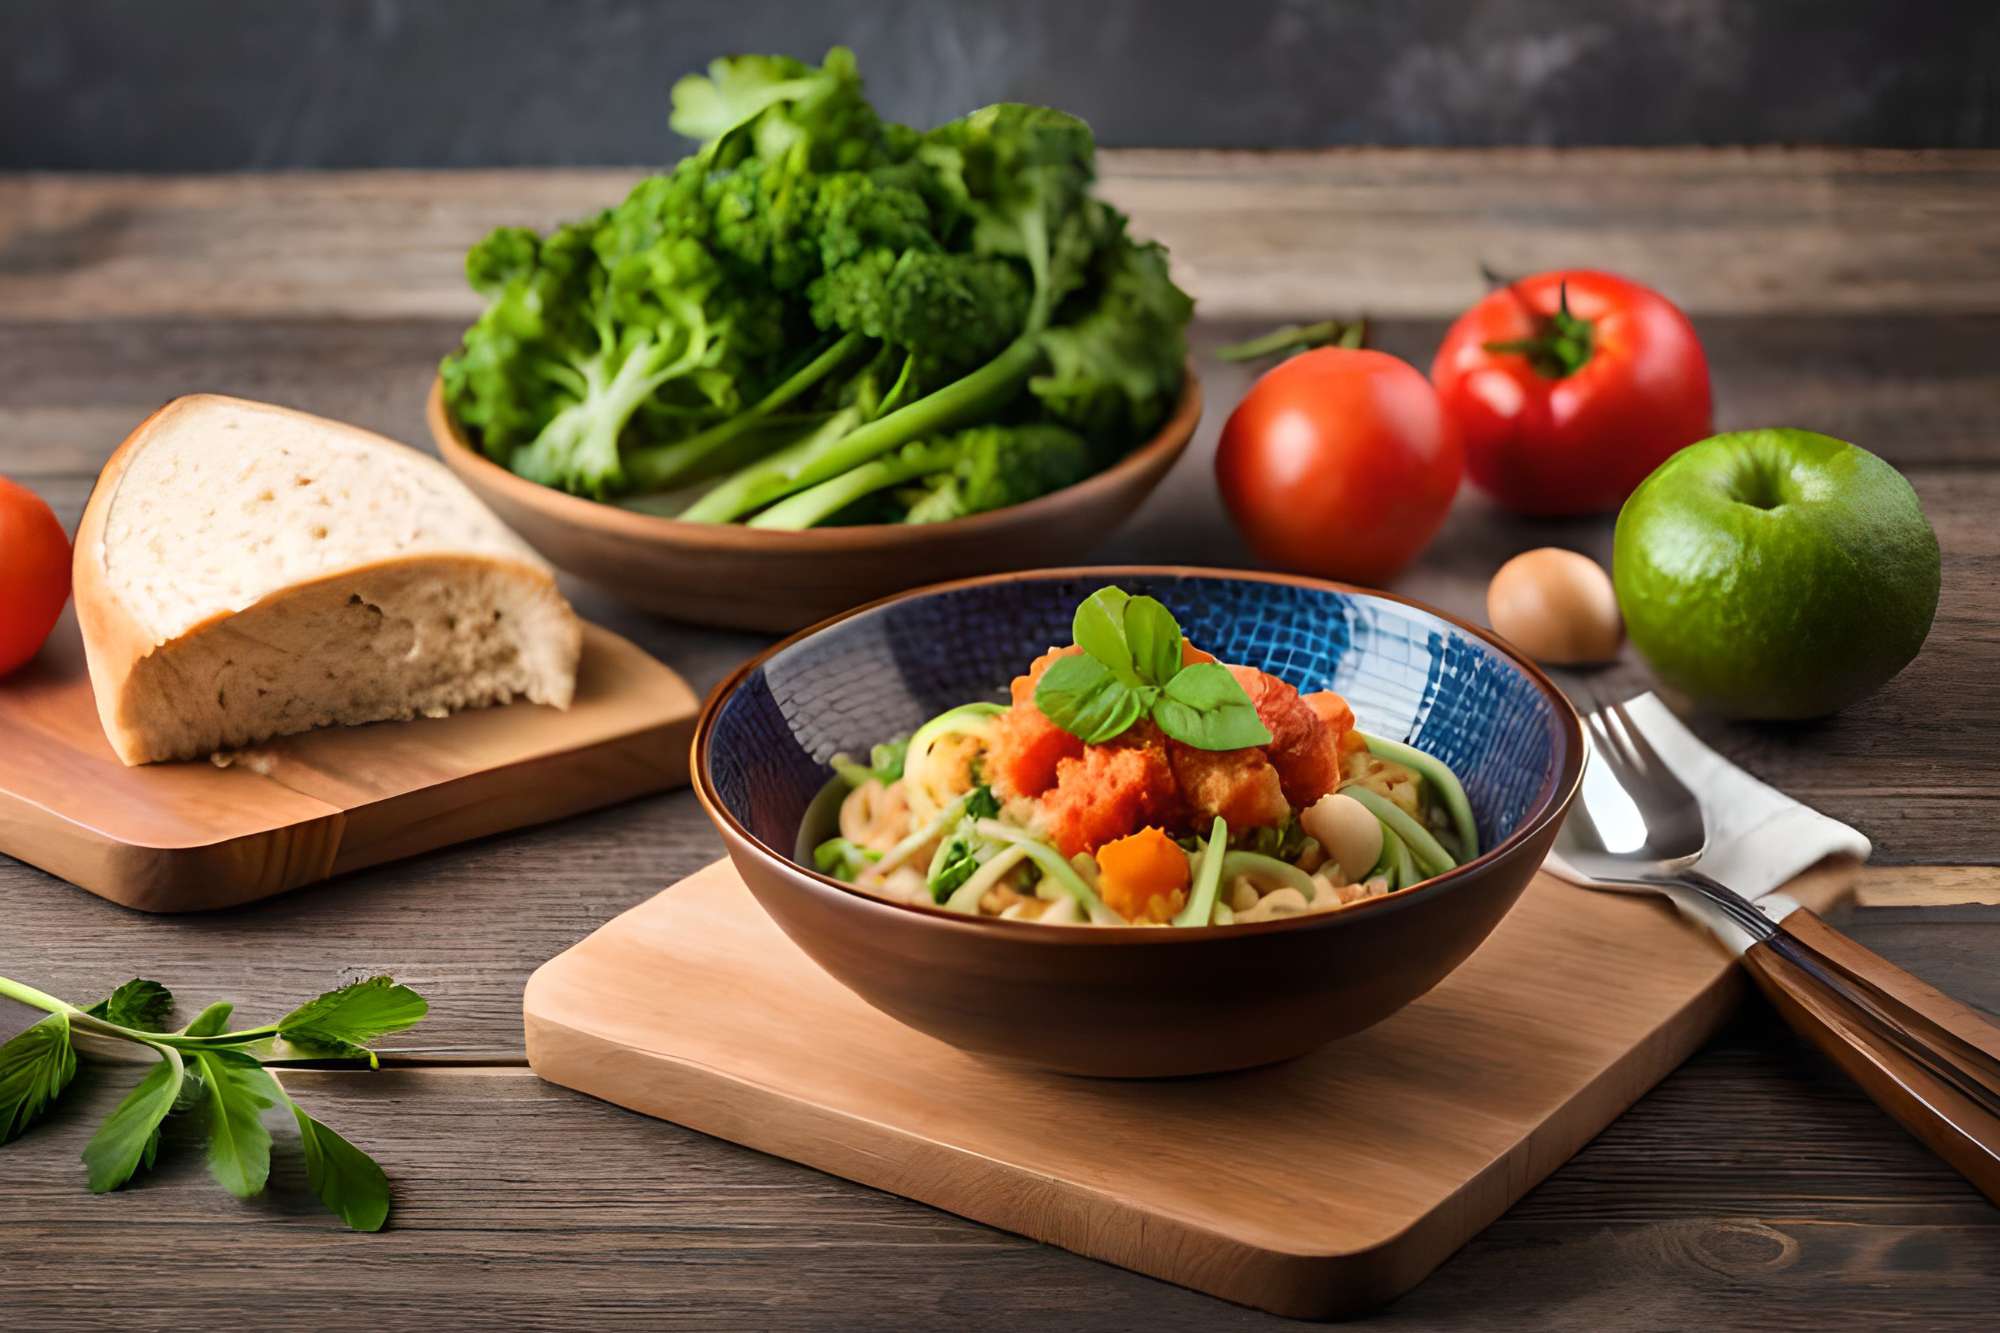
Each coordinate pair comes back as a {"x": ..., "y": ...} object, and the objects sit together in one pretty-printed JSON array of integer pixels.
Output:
[
  {"x": 34, "y": 573},
  {"x": 1341, "y": 463},
  {"x": 1575, "y": 425}
]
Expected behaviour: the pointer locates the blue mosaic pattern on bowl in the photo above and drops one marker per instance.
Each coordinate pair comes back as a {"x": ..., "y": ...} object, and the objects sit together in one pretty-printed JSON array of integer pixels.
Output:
[{"x": 1409, "y": 675}]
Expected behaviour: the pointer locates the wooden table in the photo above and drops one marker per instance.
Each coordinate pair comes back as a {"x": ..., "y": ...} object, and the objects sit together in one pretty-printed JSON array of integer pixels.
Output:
[{"x": 1854, "y": 293}]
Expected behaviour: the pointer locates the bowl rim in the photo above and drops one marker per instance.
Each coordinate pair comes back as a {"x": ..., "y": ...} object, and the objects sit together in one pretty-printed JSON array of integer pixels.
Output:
[
  {"x": 1551, "y": 802},
  {"x": 578, "y": 511}
]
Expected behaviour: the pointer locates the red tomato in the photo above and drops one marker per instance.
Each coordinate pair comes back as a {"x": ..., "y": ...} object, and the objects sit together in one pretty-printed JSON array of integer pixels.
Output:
[
  {"x": 1339, "y": 462},
  {"x": 1565, "y": 410},
  {"x": 34, "y": 573}
]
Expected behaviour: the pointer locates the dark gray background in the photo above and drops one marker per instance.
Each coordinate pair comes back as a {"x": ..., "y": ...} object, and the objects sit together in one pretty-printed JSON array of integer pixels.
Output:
[{"x": 233, "y": 84}]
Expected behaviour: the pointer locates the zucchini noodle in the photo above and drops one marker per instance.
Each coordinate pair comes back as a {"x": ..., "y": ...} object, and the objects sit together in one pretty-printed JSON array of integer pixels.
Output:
[
  {"x": 965, "y": 898},
  {"x": 973, "y": 720},
  {"x": 1051, "y": 863},
  {"x": 1443, "y": 781},
  {"x": 1431, "y": 857}
]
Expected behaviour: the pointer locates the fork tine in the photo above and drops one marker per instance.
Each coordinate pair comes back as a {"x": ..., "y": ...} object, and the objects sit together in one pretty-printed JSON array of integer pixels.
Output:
[
  {"x": 1644, "y": 747},
  {"x": 1630, "y": 740}
]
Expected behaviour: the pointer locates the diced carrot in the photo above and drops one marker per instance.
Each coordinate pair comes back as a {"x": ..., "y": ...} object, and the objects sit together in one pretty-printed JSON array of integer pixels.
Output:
[
  {"x": 1333, "y": 709},
  {"x": 1143, "y": 876}
]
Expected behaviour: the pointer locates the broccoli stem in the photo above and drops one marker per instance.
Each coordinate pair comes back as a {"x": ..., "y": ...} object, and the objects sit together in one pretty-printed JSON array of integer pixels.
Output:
[
  {"x": 578, "y": 449},
  {"x": 772, "y": 477},
  {"x": 821, "y": 457},
  {"x": 816, "y": 504},
  {"x": 659, "y": 466}
]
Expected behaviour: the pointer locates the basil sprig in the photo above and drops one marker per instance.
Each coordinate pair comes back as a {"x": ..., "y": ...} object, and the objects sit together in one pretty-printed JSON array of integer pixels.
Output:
[{"x": 1130, "y": 668}]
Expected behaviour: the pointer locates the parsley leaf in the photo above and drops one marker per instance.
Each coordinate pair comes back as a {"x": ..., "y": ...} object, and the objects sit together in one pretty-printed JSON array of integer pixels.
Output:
[
  {"x": 218, "y": 1075},
  {"x": 35, "y": 1067},
  {"x": 353, "y": 1015},
  {"x": 346, "y": 1179},
  {"x": 210, "y": 1021},
  {"x": 141, "y": 1004},
  {"x": 130, "y": 1136},
  {"x": 239, "y": 1092}
]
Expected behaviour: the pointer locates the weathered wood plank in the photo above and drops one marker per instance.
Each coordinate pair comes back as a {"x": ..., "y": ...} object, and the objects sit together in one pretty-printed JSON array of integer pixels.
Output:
[
  {"x": 1919, "y": 391},
  {"x": 1395, "y": 232},
  {"x": 545, "y": 1208}
]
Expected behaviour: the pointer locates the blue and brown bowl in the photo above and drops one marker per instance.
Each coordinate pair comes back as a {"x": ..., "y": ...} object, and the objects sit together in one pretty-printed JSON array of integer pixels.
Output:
[{"x": 1135, "y": 1003}]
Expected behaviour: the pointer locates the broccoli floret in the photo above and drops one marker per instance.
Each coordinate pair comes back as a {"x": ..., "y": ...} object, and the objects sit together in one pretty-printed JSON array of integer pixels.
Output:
[{"x": 1115, "y": 372}]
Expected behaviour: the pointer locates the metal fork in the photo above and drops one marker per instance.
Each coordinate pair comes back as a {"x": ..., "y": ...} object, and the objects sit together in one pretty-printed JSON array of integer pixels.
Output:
[{"x": 1931, "y": 1062}]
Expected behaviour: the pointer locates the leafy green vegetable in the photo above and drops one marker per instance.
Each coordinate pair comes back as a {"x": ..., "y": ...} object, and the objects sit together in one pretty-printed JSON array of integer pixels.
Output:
[
  {"x": 222, "y": 1077},
  {"x": 210, "y": 1021},
  {"x": 130, "y": 1136},
  {"x": 962, "y": 851},
  {"x": 889, "y": 289},
  {"x": 1130, "y": 668},
  {"x": 35, "y": 1067},
  {"x": 843, "y": 859},
  {"x": 239, "y": 1091},
  {"x": 1204, "y": 706},
  {"x": 885, "y": 763},
  {"x": 138, "y": 1003},
  {"x": 346, "y": 1179}
]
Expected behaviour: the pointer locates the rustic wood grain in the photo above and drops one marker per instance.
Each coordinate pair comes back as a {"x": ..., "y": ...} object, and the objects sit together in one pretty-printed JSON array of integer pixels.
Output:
[
  {"x": 1852, "y": 292},
  {"x": 1754, "y": 1186},
  {"x": 1396, "y": 233},
  {"x": 1351, "y": 1171},
  {"x": 194, "y": 836}
]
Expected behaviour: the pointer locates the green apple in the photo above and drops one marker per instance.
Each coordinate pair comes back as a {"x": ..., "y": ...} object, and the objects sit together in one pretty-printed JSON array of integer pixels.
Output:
[{"x": 1775, "y": 573}]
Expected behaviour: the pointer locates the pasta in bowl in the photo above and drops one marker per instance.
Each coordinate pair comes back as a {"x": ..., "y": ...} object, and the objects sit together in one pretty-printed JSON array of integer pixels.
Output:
[
  {"x": 1133, "y": 780},
  {"x": 1276, "y": 825}
]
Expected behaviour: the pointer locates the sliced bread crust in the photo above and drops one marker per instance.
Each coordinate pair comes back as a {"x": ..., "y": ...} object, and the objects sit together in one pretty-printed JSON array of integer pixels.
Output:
[{"x": 462, "y": 616}]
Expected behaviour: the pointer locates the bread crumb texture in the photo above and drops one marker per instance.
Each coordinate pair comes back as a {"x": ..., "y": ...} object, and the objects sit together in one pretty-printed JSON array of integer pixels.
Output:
[{"x": 225, "y": 504}]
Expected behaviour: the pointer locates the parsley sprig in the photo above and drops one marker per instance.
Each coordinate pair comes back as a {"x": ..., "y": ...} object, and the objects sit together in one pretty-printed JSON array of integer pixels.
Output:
[
  {"x": 1130, "y": 668},
  {"x": 221, "y": 1077}
]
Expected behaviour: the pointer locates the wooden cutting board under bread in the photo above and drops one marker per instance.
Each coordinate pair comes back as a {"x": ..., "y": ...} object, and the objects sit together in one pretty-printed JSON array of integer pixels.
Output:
[
  {"x": 1318, "y": 1188},
  {"x": 189, "y": 836}
]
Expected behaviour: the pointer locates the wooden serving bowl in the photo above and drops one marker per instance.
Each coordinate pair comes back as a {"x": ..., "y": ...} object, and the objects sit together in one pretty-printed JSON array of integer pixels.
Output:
[
  {"x": 1135, "y": 1002},
  {"x": 747, "y": 578}
]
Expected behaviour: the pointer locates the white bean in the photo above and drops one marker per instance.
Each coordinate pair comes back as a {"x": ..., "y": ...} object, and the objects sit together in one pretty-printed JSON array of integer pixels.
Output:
[{"x": 1349, "y": 832}]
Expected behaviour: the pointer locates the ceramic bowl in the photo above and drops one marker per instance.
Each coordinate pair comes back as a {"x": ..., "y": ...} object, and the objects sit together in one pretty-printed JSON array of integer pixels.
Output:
[
  {"x": 746, "y": 578},
  {"x": 1136, "y": 1002}
]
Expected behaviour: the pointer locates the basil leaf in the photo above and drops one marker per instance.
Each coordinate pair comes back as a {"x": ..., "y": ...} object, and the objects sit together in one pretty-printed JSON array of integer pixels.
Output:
[
  {"x": 1154, "y": 638},
  {"x": 1203, "y": 706},
  {"x": 129, "y": 1136},
  {"x": 238, "y": 1092},
  {"x": 346, "y": 1179},
  {"x": 1099, "y": 629},
  {"x": 35, "y": 1067},
  {"x": 139, "y": 1004},
  {"x": 1080, "y": 695}
]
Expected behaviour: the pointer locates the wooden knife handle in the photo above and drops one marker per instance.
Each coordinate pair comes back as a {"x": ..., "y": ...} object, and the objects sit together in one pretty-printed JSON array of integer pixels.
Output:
[{"x": 1928, "y": 1060}]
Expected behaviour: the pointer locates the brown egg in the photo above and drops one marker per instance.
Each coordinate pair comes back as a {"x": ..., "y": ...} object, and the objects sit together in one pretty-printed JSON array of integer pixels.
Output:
[{"x": 1556, "y": 606}]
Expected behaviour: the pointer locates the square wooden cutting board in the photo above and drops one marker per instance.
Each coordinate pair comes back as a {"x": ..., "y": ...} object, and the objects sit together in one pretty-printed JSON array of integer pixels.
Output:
[
  {"x": 192, "y": 836},
  {"x": 1318, "y": 1188}
]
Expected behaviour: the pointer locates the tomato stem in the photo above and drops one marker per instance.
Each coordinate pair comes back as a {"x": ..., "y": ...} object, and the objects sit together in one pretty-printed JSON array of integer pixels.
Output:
[{"x": 1560, "y": 347}]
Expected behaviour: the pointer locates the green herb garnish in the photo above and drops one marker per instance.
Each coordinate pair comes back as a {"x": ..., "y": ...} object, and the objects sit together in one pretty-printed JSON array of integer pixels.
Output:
[
  {"x": 1130, "y": 668},
  {"x": 222, "y": 1078}
]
